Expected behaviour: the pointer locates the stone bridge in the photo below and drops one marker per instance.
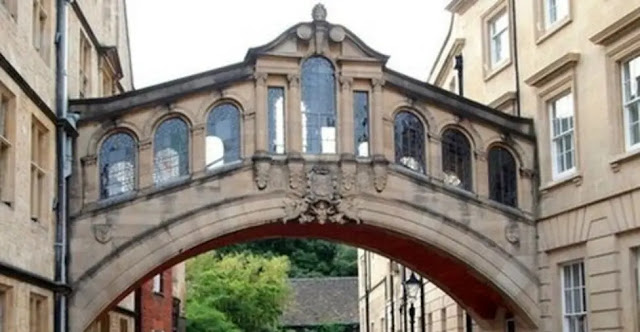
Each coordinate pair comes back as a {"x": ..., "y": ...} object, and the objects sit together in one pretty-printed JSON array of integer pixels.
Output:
[{"x": 309, "y": 136}]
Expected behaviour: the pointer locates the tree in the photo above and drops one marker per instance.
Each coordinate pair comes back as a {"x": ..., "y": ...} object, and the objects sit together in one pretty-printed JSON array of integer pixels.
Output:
[
  {"x": 236, "y": 292},
  {"x": 308, "y": 257}
]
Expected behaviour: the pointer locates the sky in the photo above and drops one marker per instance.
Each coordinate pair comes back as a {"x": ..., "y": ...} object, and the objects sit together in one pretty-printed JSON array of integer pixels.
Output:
[{"x": 169, "y": 41}]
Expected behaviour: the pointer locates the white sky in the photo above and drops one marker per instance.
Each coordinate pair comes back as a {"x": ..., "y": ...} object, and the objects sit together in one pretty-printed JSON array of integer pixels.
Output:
[{"x": 169, "y": 41}]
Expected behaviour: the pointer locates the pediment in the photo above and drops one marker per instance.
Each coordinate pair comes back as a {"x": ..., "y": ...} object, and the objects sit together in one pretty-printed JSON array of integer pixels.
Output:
[{"x": 317, "y": 37}]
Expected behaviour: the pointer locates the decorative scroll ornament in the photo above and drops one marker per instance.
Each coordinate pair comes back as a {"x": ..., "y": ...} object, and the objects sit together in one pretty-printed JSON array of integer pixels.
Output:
[
  {"x": 321, "y": 201},
  {"x": 102, "y": 233},
  {"x": 512, "y": 232}
]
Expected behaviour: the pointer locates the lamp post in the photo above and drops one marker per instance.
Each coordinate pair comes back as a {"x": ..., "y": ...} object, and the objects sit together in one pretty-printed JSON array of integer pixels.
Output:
[{"x": 412, "y": 288}]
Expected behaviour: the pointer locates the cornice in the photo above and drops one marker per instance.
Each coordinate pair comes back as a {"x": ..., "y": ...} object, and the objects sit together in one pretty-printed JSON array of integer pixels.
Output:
[
  {"x": 459, "y": 6},
  {"x": 560, "y": 65},
  {"x": 617, "y": 29}
]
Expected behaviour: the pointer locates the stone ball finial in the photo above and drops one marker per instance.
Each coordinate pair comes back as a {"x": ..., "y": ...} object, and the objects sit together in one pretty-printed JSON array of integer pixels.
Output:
[{"x": 319, "y": 12}]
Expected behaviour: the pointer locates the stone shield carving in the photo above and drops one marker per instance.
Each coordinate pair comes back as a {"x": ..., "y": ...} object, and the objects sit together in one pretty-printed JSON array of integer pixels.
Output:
[
  {"x": 321, "y": 201},
  {"x": 512, "y": 232},
  {"x": 379, "y": 177},
  {"x": 261, "y": 173},
  {"x": 102, "y": 233}
]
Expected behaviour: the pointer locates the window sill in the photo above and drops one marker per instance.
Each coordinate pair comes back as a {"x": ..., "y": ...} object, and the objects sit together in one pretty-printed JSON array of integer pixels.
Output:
[
  {"x": 555, "y": 27},
  {"x": 618, "y": 160},
  {"x": 491, "y": 73},
  {"x": 159, "y": 294},
  {"x": 574, "y": 177}
]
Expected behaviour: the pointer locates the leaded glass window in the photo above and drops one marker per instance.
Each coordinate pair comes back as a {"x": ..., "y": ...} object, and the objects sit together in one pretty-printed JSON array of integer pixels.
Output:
[
  {"x": 409, "y": 141},
  {"x": 117, "y": 165},
  {"x": 171, "y": 151},
  {"x": 503, "y": 185},
  {"x": 318, "y": 106},
  {"x": 361, "y": 122},
  {"x": 563, "y": 150},
  {"x": 456, "y": 159},
  {"x": 276, "y": 120},
  {"x": 223, "y": 136}
]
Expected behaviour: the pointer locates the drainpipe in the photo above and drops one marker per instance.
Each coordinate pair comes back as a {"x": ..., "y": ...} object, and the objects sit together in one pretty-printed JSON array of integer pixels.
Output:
[
  {"x": 459, "y": 66},
  {"x": 367, "y": 285},
  {"x": 393, "y": 299},
  {"x": 422, "y": 325},
  {"x": 63, "y": 167},
  {"x": 516, "y": 61}
]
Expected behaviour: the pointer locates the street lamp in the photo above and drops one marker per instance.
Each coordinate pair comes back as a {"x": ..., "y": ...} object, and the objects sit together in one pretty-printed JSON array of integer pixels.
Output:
[{"x": 412, "y": 288}]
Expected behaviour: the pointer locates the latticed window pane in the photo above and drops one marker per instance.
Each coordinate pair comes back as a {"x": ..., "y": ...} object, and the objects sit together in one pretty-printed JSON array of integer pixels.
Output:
[
  {"x": 409, "y": 141},
  {"x": 574, "y": 297},
  {"x": 555, "y": 10},
  {"x": 499, "y": 38},
  {"x": 318, "y": 106},
  {"x": 171, "y": 150},
  {"x": 276, "y": 120},
  {"x": 456, "y": 159},
  {"x": 562, "y": 134},
  {"x": 117, "y": 165},
  {"x": 502, "y": 177},
  {"x": 361, "y": 122},
  {"x": 223, "y": 136},
  {"x": 631, "y": 99}
]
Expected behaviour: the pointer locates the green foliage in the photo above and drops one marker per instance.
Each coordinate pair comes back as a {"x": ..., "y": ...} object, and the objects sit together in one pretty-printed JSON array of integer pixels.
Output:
[
  {"x": 236, "y": 292},
  {"x": 309, "y": 257}
]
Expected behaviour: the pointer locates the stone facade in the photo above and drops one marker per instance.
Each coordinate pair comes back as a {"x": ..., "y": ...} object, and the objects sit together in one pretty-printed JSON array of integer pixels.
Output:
[
  {"x": 589, "y": 214},
  {"x": 128, "y": 225},
  {"x": 99, "y": 66}
]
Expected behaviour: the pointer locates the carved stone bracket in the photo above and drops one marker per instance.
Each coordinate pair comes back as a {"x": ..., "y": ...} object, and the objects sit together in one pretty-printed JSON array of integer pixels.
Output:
[
  {"x": 261, "y": 168},
  {"x": 89, "y": 160},
  {"x": 261, "y": 78},
  {"x": 512, "y": 232},
  {"x": 380, "y": 170},
  {"x": 294, "y": 80},
  {"x": 321, "y": 200}
]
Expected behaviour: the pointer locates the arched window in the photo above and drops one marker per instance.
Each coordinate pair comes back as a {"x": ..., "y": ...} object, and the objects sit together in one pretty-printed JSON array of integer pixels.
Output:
[
  {"x": 117, "y": 165},
  {"x": 409, "y": 141},
  {"x": 170, "y": 151},
  {"x": 456, "y": 159},
  {"x": 223, "y": 136},
  {"x": 318, "y": 106},
  {"x": 503, "y": 183}
]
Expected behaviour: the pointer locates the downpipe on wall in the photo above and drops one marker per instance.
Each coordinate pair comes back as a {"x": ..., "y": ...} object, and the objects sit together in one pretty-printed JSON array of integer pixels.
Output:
[{"x": 65, "y": 130}]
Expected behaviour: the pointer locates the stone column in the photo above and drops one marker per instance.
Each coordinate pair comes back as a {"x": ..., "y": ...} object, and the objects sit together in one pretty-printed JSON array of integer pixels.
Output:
[
  {"x": 294, "y": 116},
  {"x": 433, "y": 156},
  {"x": 198, "y": 148},
  {"x": 377, "y": 127},
  {"x": 346, "y": 130},
  {"x": 481, "y": 174},
  {"x": 90, "y": 178},
  {"x": 261, "y": 113},
  {"x": 145, "y": 164}
]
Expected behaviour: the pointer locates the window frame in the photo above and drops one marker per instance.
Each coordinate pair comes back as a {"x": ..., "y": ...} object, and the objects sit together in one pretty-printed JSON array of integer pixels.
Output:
[
  {"x": 422, "y": 151},
  {"x": 496, "y": 35},
  {"x": 553, "y": 137},
  {"x": 38, "y": 313},
  {"x": 39, "y": 170},
  {"x": 465, "y": 163},
  {"x": 135, "y": 161},
  {"x": 491, "y": 69},
  {"x": 516, "y": 164},
  {"x": 625, "y": 104},
  {"x": 367, "y": 93},
  {"x": 182, "y": 156},
  {"x": 583, "y": 287},
  {"x": 7, "y": 107},
  {"x": 283, "y": 148},
  {"x": 334, "y": 114},
  {"x": 238, "y": 136},
  {"x": 157, "y": 285},
  {"x": 548, "y": 24}
]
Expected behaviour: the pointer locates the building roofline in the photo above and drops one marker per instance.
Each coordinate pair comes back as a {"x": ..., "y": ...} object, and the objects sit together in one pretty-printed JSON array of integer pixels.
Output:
[{"x": 442, "y": 48}]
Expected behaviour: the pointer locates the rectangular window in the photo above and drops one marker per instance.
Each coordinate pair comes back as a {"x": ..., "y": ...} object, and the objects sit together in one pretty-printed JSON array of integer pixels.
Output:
[
  {"x": 124, "y": 325},
  {"x": 276, "y": 120},
  {"x": 40, "y": 29},
  {"x": 443, "y": 319},
  {"x": 430, "y": 322},
  {"x": 37, "y": 313},
  {"x": 157, "y": 283},
  {"x": 509, "y": 323},
  {"x": 499, "y": 38},
  {"x": 84, "y": 67},
  {"x": 574, "y": 298},
  {"x": 555, "y": 10},
  {"x": 6, "y": 102},
  {"x": 631, "y": 101},
  {"x": 562, "y": 135},
  {"x": 39, "y": 158},
  {"x": 361, "y": 122}
]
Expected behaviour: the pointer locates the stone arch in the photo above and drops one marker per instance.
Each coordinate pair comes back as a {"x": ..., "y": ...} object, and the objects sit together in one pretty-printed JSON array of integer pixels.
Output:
[
  {"x": 422, "y": 112},
  {"x": 522, "y": 158},
  {"x": 98, "y": 136},
  {"x": 465, "y": 128},
  {"x": 219, "y": 98},
  {"x": 463, "y": 262},
  {"x": 152, "y": 123}
]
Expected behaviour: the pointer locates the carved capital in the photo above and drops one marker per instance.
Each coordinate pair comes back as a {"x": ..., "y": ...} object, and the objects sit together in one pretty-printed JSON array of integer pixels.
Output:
[
  {"x": 261, "y": 168},
  {"x": 89, "y": 160},
  {"x": 294, "y": 80},
  {"x": 261, "y": 78},
  {"x": 377, "y": 84},
  {"x": 146, "y": 144},
  {"x": 527, "y": 173},
  {"x": 198, "y": 129},
  {"x": 346, "y": 82}
]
